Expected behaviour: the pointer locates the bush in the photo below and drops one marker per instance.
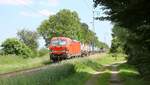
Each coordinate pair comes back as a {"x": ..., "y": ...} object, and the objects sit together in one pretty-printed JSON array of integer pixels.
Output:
[
  {"x": 1, "y": 52},
  {"x": 43, "y": 51},
  {"x": 14, "y": 46}
]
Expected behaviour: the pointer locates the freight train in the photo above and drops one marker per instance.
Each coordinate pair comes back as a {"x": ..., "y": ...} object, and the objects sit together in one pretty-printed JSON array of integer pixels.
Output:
[{"x": 62, "y": 48}]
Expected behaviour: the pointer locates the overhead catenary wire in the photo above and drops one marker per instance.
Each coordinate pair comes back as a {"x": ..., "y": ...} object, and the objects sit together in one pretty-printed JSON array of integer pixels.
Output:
[
  {"x": 31, "y": 9},
  {"x": 91, "y": 8}
]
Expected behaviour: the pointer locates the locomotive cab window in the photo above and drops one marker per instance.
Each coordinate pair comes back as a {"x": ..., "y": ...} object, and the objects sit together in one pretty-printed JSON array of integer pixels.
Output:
[{"x": 58, "y": 42}]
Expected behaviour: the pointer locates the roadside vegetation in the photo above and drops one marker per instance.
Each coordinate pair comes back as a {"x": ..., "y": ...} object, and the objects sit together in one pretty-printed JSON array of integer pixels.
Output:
[
  {"x": 44, "y": 77},
  {"x": 131, "y": 30},
  {"x": 88, "y": 66},
  {"x": 104, "y": 78},
  {"x": 70, "y": 72},
  {"x": 130, "y": 75}
]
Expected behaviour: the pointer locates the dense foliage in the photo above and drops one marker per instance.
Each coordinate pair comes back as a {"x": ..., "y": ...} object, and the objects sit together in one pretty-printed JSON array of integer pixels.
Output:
[
  {"x": 67, "y": 23},
  {"x": 64, "y": 23},
  {"x": 29, "y": 38},
  {"x": 133, "y": 16},
  {"x": 118, "y": 40},
  {"x": 14, "y": 46}
]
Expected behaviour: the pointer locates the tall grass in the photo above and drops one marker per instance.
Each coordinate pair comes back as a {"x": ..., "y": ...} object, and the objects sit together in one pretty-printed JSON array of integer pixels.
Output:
[
  {"x": 10, "y": 63},
  {"x": 85, "y": 67},
  {"x": 44, "y": 77},
  {"x": 70, "y": 72}
]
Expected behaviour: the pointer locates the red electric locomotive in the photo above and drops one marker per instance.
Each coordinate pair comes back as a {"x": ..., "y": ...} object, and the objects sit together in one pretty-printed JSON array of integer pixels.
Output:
[{"x": 63, "y": 48}]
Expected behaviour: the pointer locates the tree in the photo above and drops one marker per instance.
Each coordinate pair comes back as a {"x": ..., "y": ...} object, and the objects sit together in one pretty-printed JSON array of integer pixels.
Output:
[
  {"x": 14, "y": 46},
  {"x": 30, "y": 38},
  {"x": 133, "y": 16},
  {"x": 119, "y": 36},
  {"x": 67, "y": 23},
  {"x": 64, "y": 23}
]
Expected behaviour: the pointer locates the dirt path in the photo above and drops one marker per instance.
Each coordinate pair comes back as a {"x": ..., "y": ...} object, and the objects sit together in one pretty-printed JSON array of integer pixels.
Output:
[
  {"x": 95, "y": 76},
  {"x": 93, "y": 79},
  {"x": 115, "y": 80}
]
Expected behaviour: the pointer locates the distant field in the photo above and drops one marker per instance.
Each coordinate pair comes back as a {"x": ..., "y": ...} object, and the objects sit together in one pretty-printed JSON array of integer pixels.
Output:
[{"x": 11, "y": 63}]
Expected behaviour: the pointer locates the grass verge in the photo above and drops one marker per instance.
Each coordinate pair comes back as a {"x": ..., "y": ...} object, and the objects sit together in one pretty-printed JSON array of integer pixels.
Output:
[
  {"x": 130, "y": 76},
  {"x": 44, "y": 77},
  {"x": 71, "y": 72},
  {"x": 104, "y": 78},
  {"x": 85, "y": 68},
  {"x": 11, "y": 63}
]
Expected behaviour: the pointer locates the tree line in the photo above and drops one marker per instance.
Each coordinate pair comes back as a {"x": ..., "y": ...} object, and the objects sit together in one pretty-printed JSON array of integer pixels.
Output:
[
  {"x": 131, "y": 31},
  {"x": 65, "y": 23}
]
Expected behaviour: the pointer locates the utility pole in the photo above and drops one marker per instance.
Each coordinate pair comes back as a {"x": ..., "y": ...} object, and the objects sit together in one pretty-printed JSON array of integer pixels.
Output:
[
  {"x": 93, "y": 23},
  {"x": 93, "y": 26}
]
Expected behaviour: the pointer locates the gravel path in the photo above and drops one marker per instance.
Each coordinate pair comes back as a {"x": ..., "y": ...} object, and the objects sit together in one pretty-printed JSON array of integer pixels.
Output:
[
  {"x": 93, "y": 79},
  {"x": 115, "y": 80}
]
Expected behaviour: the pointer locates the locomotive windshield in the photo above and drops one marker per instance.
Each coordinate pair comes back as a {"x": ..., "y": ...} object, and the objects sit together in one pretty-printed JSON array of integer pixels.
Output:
[{"x": 58, "y": 42}]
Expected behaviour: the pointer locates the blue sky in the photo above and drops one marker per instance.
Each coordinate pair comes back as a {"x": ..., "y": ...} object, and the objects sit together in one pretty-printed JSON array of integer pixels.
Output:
[{"x": 18, "y": 14}]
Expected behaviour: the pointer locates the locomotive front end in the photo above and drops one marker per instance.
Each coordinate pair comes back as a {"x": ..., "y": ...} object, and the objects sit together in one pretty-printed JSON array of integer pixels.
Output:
[{"x": 58, "y": 49}]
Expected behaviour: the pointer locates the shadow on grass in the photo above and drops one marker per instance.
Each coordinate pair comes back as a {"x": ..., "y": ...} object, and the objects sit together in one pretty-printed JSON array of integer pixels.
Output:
[
  {"x": 130, "y": 76},
  {"x": 47, "y": 62},
  {"x": 94, "y": 65},
  {"x": 104, "y": 78}
]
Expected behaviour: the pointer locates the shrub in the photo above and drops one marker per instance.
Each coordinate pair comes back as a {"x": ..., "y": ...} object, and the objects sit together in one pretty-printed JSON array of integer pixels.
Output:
[
  {"x": 43, "y": 51},
  {"x": 14, "y": 46},
  {"x": 1, "y": 52}
]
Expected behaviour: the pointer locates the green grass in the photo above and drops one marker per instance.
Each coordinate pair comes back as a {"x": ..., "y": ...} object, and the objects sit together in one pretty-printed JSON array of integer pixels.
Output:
[
  {"x": 79, "y": 78},
  {"x": 11, "y": 63},
  {"x": 111, "y": 60},
  {"x": 44, "y": 77},
  {"x": 104, "y": 78},
  {"x": 71, "y": 72},
  {"x": 130, "y": 76},
  {"x": 85, "y": 67}
]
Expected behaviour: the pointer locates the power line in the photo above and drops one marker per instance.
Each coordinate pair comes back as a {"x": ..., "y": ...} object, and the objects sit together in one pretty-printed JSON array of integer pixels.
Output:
[
  {"x": 93, "y": 22},
  {"x": 93, "y": 13},
  {"x": 33, "y": 10}
]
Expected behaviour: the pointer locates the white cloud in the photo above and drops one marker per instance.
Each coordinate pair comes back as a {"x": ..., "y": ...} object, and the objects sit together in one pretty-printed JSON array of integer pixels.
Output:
[
  {"x": 53, "y": 2},
  {"x": 43, "y": 12},
  {"x": 15, "y": 2}
]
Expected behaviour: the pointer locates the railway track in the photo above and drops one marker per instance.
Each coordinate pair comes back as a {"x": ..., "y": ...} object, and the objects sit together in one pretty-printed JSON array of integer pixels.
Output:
[
  {"x": 23, "y": 71},
  {"x": 26, "y": 71}
]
